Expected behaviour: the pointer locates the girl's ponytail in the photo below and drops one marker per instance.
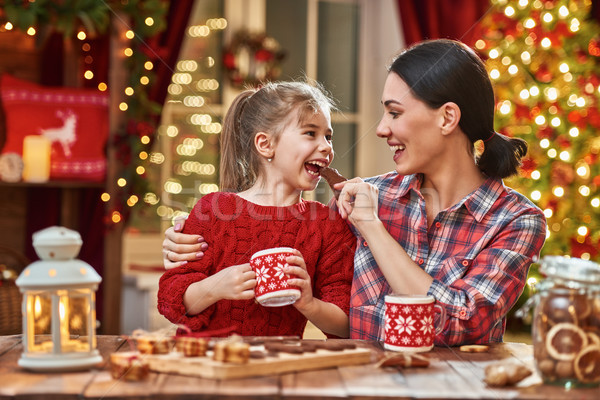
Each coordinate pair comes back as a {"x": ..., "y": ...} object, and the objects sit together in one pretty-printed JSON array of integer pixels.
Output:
[{"x": 235, "y": 169}]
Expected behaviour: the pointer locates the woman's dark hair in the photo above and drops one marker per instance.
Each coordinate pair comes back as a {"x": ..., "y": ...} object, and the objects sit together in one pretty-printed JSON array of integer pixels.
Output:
[
  {"x": 443, "y": 70},
  {"x": 268, "y": 109}
]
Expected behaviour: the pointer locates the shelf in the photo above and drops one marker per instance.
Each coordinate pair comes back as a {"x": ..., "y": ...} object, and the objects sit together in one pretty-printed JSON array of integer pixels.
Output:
[{"x": 56, "y": 184}]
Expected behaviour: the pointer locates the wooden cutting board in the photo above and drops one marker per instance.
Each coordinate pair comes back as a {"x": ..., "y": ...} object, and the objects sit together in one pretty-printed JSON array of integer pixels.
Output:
[{"x": 206, "y": 367}]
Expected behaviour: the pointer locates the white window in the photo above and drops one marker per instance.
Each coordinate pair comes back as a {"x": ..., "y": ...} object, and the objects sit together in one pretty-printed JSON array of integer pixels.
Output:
[{"x": 344, "y": 44}]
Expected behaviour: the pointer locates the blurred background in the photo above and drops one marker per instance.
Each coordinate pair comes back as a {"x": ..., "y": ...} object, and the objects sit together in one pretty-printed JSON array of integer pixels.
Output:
[{"x": 152, "y": 81}]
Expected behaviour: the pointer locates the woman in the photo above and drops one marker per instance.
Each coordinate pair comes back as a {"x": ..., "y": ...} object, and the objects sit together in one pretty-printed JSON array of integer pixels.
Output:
[{"x": 442, "y": 223}]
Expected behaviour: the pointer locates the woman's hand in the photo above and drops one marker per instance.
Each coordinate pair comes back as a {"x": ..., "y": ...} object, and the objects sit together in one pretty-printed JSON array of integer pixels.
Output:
[
  {"x": 179, "y": 248},
  {"x": 300, "y": 278},
  {"x": 358, "y": 201}
]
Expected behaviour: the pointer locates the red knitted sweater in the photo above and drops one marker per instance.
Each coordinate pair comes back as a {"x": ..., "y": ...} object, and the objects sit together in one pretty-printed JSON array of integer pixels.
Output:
[{"x": 234, "y": 230}]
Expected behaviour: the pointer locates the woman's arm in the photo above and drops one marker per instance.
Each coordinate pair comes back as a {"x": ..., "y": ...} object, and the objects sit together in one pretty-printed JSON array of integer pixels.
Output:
[{"x": 358, "y": 202}]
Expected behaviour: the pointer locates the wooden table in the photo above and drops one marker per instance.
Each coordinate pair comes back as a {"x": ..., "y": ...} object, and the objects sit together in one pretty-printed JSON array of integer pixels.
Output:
[{"x": 451, "y": 374}]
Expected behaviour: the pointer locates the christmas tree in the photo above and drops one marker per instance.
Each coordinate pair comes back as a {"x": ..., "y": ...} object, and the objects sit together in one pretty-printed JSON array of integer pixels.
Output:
[{"x": 544, "y": 61}]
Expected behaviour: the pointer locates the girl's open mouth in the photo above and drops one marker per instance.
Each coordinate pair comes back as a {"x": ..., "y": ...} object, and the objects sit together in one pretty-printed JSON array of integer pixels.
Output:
[{"x": 313, "y": 167}]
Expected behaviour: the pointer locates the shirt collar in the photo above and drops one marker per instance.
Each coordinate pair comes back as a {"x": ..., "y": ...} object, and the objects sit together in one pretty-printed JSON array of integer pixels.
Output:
[
  {"x": 408, "y": 183},
  {"x": 481, "y": 200},
  {"x": 478, "y": 202}
]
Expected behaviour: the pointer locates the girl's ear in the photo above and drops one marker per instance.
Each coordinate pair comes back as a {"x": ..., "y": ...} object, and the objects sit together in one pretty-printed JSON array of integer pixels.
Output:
[
  {"x": 450, "y": 117},
  {"x": 262, "y": 142}
]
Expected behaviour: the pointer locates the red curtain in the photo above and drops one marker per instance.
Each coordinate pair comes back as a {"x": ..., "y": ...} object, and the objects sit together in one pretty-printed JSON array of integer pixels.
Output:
[
  {"x": 433, "y": 19},
  {"x": 453, "y": 19}
]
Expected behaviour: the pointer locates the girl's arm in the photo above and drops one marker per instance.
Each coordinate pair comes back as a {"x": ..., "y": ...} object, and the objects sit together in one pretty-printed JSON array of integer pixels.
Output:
[
  {"x": 328, "y": 317},
  {"x": 358, "y": 203},
  {"x": 233, "y": 283}
]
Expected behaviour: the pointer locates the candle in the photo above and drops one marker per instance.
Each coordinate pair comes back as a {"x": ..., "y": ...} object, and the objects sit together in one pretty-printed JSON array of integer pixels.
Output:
[{"x": 36, "y": 158}]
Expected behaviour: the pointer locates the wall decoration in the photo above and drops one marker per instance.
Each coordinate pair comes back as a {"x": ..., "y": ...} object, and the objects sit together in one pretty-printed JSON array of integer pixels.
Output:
[
  {"x": 75, "y": 121},
  {"x": 252, "y": 58}
]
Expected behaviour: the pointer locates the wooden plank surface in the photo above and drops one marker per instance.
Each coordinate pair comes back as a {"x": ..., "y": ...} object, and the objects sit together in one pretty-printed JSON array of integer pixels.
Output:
[
  {"x": 322, "y": 384},
  {"x": 451, "y": 374}
]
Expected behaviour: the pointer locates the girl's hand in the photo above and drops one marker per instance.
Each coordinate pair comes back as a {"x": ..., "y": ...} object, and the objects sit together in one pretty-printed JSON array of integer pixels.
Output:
[
  {"x": 234, "y": 283},
  {"x": 300, "y": 278},
  {"x": 358, "y": 201},
  {"x": 179, "y": 248}
]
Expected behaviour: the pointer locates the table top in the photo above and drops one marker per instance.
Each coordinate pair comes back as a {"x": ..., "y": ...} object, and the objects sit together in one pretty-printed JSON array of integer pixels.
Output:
[{"x": 451, "y": 374}]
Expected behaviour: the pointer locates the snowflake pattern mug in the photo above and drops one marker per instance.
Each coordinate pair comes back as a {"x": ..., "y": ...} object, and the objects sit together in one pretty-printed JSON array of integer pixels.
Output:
[
  {"x": 409, "y": 322},
  {"x": 272, "y": 289}
]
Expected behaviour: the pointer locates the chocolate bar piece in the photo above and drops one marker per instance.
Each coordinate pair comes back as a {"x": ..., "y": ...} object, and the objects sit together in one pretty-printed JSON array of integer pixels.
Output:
[
  {"x": 332, "y": 176},
  {"x": 403, "y": 360}
]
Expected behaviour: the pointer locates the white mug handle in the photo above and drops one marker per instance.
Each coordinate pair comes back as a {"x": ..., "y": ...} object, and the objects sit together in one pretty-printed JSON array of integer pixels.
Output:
[{"x": 442, "y": 321}]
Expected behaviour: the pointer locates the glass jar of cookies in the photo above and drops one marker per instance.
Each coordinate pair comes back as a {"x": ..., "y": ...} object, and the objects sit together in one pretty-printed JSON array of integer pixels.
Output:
[{"x": 566, "y": 322}]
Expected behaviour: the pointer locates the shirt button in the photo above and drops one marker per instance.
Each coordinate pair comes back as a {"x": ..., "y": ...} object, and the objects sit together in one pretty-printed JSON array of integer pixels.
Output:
[
  {"x": 438, "y": 224},
  {"x": 421, "y": 262},
  {"x": 463, "y": 313},
  {"x": 465, "y": 263},
  {"x": 365, "y": 244}
]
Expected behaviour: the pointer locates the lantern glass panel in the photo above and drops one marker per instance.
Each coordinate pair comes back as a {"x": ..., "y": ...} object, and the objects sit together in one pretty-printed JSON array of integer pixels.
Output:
[
  {"x": 62, "y": 318},
  {"x": 39, "y": 315}
]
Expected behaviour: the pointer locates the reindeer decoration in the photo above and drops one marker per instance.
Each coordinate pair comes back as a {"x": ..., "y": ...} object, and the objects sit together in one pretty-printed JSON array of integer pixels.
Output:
[{"x": 65, "y": 134}]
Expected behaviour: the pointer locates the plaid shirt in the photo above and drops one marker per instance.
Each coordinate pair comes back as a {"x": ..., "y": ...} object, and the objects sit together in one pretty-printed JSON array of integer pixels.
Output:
[{"x": 477, "y": 251}]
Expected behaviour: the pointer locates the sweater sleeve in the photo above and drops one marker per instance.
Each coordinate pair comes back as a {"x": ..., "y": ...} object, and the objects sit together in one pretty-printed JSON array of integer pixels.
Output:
[
  {"x": 333, "y": 276},
  {"x": 174, "y": 282}
]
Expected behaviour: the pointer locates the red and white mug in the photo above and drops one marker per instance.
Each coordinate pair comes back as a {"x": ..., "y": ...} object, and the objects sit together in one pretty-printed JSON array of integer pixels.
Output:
[
  {"x": 410, "y": 322},
  {"x": 272, "y": 289}
]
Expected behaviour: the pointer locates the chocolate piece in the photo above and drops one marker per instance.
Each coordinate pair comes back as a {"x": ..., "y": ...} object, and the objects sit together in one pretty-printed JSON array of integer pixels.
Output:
[
  {"x": 331, "y": 346},
  {"x": 309, "y": 347},
  {"x": 257, "y": 354},
  {"x": 403, "y": 360},
  {"x": 284, "y": 348},
  {"x": 332, "y": 176}
]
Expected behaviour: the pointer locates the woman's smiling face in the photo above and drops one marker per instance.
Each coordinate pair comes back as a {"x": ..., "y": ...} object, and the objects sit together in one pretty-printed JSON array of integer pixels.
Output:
[
  {"x": 411, "y": 128},
  {"x": 302, "y": 149}
]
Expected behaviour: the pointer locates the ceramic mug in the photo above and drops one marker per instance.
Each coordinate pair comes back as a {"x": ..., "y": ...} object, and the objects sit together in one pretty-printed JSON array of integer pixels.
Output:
[
  {"x": 272, "y": 289},
  {"x": 409, "y": 322}
]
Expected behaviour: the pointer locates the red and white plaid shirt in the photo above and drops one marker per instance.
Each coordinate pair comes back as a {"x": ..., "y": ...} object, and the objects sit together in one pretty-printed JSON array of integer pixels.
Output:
[{"x": 477, "y": 251}]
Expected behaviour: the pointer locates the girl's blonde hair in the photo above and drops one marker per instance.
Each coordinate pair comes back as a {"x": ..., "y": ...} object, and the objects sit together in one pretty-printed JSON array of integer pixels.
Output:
[{"x": 269, "y": 110}]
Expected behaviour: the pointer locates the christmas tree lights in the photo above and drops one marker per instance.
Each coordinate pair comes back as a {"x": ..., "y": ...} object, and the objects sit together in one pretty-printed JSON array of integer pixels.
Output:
[{"x": 544, "y": 61}]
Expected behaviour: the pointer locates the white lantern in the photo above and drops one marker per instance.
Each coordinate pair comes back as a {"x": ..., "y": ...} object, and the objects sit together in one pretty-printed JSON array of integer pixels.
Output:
[{"x": 59, "y": 305}]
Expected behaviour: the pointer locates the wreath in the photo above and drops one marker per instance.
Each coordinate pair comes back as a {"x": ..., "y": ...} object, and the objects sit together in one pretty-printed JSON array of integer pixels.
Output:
[{"x": 252, "y": 58}]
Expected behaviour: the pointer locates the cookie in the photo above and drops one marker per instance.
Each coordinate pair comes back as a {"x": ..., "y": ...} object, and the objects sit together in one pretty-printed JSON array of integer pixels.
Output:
[{"x": 474, "y": 348}]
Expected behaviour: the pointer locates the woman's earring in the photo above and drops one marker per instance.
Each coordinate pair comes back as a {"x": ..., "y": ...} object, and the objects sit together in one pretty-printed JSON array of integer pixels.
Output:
[{"x": 269, "y": 159}]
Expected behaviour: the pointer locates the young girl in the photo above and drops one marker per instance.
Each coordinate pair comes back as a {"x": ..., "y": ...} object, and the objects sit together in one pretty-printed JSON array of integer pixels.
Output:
[{"x": 274, "y": 142}]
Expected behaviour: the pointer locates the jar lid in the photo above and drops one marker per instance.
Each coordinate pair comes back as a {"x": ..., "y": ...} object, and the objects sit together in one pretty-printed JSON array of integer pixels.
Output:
[{"x": 570, "y": 269}]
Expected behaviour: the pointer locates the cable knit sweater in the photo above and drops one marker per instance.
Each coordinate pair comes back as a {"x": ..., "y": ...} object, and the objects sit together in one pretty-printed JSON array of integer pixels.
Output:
[{"x": 234, "y": 230}]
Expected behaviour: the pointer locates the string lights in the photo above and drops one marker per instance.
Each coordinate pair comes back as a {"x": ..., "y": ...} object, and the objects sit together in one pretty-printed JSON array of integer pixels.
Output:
[
  {"x": 543, "y": 58},
  {"x": 83, "y": 22},
  {"x": 193, "y": 131}
]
